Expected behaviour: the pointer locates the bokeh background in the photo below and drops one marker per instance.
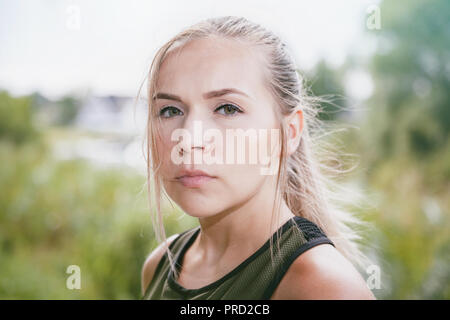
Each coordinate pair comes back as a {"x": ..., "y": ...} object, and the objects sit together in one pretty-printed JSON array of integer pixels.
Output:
[{"x": 72, "y": 170}]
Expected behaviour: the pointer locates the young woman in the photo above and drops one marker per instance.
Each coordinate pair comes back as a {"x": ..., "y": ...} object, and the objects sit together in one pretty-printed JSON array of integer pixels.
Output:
[{"x": 229, "y": 74}]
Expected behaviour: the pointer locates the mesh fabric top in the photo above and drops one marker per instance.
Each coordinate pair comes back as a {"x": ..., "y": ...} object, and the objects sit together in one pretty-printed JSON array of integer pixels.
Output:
[{"x": 256, "y": 278}]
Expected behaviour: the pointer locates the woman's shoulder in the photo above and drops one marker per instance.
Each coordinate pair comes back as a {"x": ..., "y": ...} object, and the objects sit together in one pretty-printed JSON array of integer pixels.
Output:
[
  {"x": 322, "y": 272},
  {"x": 152, "y": 260}
]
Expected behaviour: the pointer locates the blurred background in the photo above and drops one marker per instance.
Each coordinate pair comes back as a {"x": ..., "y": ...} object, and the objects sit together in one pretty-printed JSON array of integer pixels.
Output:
[{"x": 72, "y": 170}]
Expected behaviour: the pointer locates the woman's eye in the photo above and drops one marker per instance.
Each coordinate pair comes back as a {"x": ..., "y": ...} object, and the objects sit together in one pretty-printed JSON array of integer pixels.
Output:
[
  {"x": 228, "y": 109},
  {"x": 169, "y": 112}
]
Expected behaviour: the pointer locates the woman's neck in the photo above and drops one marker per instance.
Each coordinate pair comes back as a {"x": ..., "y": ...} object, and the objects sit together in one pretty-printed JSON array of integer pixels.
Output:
[{"x": 238, "y": 231}]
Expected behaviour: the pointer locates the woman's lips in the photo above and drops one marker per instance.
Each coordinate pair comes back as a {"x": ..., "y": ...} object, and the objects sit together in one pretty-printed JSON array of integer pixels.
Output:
[{"x": 194, "y": 181}]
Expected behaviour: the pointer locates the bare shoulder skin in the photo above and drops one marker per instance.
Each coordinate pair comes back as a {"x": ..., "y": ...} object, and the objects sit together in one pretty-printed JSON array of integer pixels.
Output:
[
  {"x": 150, "y": 264},
  {"x": 322, "y": 273}
]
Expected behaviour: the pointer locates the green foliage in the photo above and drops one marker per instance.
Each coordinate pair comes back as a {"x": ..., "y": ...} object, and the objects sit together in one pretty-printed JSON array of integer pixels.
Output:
[
  {"x": 412, "y": 223},
  {"x": 411, "y": 73},
  {"x": 327, "y": 83},
  {"x": 55, "y": 214},
  {"x": 405, "y": 149},
  {"x": 68, "y": 110},
  {"x": 16, "y": 118}
]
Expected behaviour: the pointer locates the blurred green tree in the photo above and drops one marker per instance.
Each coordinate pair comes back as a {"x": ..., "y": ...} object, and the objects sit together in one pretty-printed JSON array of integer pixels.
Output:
[
  {"x": 326, "y": 84},
  {"x": 16, "y": 118},
  {"x": 411, "y": 71},
  {"x": 68, "y": 110},
  {"x": 406, "y": 146}
]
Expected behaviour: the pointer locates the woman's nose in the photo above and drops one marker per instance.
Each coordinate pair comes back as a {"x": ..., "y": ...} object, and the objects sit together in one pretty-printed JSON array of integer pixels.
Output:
[{"x": 193, "y": 132}]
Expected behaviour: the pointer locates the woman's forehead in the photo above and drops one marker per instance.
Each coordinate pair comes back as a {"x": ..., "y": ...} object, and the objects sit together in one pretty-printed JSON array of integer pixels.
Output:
[{"x": 212, "y": 64}]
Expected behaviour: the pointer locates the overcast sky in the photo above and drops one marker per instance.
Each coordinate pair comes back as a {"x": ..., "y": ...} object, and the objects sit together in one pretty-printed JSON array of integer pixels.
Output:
[{"x": 62, "y": 46}]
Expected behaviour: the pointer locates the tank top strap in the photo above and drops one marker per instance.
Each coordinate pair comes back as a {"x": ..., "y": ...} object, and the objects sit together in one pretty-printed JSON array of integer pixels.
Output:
[
  {"x": 175, "y": 247},
  {"x": 312, "y": 236}
]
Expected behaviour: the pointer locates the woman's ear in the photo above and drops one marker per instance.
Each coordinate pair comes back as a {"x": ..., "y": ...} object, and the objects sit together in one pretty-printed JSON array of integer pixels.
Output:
[{"x": 295, "y": 130}]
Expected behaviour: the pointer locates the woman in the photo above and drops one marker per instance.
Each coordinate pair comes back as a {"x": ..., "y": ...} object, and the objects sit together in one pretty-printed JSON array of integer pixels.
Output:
[{"x": 229, "y": 74}]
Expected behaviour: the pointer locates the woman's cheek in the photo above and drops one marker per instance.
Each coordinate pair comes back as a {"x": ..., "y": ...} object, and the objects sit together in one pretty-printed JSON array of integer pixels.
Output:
[
  {"x": 244, "y": 179},
  {"x": 163, "y": 144}
]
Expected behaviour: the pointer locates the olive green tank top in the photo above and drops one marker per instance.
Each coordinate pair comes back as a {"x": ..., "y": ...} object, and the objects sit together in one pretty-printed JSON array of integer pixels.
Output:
[{"x": 256, "y": 278}]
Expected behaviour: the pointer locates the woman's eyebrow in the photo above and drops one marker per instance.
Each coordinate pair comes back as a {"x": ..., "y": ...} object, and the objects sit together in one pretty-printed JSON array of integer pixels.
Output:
[
  {"x": 167, "y": 96},
  {"x": 222, "y": 92},
  {"x": 208, "y": 95}
]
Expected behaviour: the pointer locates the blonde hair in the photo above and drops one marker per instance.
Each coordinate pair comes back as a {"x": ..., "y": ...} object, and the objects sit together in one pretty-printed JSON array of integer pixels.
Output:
[{"x": 304, "y": 179}]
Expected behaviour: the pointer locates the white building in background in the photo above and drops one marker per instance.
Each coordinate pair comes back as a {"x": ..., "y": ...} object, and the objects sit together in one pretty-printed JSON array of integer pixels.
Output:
[
  {"x": 115, "y": 133},
  {"x": 112, "y": 114}
]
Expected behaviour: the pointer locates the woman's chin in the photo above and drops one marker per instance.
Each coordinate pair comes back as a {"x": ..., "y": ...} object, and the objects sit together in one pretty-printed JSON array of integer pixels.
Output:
[{"x": 197, "y": 211}]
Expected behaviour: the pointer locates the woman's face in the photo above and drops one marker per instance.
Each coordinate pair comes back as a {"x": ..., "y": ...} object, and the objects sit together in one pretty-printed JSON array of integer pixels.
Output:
[{"x": 182, "y": 102}]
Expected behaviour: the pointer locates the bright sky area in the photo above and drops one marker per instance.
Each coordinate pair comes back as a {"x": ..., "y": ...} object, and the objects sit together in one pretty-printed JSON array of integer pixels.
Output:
[{"x": 63, "y": 46}]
